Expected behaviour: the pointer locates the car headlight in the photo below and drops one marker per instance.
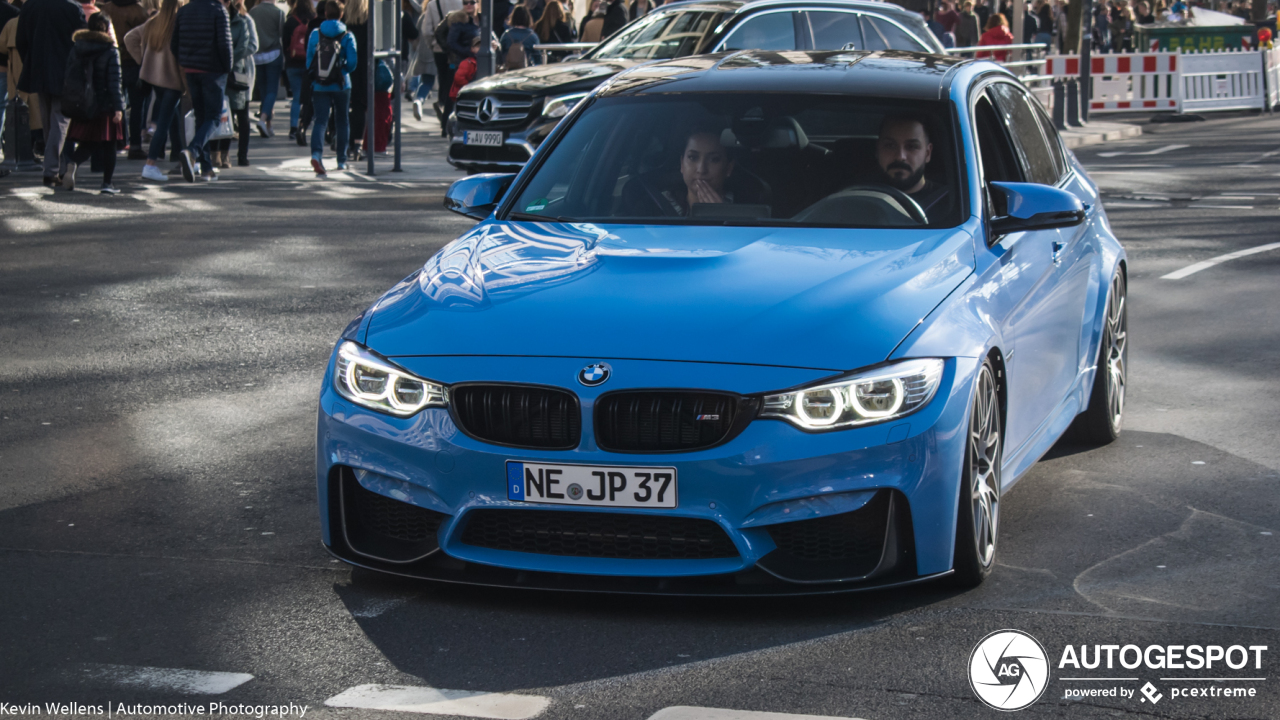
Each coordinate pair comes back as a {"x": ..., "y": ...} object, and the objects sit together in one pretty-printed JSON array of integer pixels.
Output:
[
  {"x": 370, "y": 381},
  {"x": 558, "y": 106},
  {"x": 872, "y": 396}
]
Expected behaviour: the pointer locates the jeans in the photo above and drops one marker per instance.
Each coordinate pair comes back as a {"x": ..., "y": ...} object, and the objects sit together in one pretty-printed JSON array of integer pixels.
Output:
[
  {"x": 339, "y": 101},
  {"x": 55, "y": 132},
  {"x": 166, "y": 107},
  {"x": 268, "y": 74},
  {"x": 297, "y": 78},
  {"x": 424, "y": 87},
  {"x": 138, "y": 92},
  {"x": 4, "y": 100},
  {"x": 206, "y": 100}
]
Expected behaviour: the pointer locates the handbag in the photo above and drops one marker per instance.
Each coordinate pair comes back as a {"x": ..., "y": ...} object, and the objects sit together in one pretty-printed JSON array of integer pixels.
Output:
[{"x": 239, "y": 81}]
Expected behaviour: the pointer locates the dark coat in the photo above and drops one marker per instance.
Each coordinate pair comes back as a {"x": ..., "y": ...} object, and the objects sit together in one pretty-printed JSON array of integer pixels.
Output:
[
  {"x": 615, "y": 16},
  {"x": 202, "y": 37},
  {"x": 460, "y": 36},
  {"x": 44, "y": 41},
  {"x": 7, "y": 13},
  {"x": 125, "y": 15},
  {"x": 95, "y": 50}
]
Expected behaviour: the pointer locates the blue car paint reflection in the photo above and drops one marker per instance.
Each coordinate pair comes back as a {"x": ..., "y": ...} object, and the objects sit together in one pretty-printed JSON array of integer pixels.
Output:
[{"x": 745, "y": 310}]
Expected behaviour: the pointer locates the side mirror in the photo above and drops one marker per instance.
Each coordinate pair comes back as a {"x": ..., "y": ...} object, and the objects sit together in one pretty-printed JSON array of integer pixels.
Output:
[
  {"x": 478, "y": 195},
  {"x": 1026, "y": 206}
]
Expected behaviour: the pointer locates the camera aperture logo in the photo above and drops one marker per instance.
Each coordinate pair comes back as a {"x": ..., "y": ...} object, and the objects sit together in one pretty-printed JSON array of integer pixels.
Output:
[{"x": 1009, "y": 670}]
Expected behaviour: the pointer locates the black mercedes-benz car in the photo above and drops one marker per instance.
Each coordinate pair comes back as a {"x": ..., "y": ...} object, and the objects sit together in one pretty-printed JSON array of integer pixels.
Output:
[{"x": 501, "y": 120}]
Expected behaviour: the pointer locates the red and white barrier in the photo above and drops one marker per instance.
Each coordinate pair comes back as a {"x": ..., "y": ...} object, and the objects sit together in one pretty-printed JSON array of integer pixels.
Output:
[{"x": 1129, "y": 82}]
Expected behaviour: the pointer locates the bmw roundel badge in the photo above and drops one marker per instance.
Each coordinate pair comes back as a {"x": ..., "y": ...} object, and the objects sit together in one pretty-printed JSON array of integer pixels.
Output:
[{"x": 593, "y": 375}]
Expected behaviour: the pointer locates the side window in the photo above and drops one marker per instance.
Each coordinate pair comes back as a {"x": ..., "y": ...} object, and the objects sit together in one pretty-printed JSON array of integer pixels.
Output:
[
  {"x": 998, "y": 163},
  {"x": 835, "y": 30},
  {"x": 1023, "y": 125},
  {"x": 1055, "y": 143},
  {"x": 895, "y": 38},
  {"x": 768, "y": 31}
]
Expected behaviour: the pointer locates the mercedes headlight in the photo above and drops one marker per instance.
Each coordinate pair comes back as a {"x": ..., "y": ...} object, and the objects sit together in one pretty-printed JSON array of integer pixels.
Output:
[
  {"x": 370, "y": 381},
  {"x": 864, "y": 398},
  {"x": 558, "y": 106}
]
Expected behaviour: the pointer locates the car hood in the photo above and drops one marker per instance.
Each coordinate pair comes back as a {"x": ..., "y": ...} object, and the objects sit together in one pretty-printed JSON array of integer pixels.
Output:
[
  {"x": 540, "y": 79},
  {"x": 798, "y": 297}
]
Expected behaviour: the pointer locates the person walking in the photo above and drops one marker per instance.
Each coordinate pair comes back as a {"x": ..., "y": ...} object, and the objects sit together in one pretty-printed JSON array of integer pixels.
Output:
[
  {"x": 244, "y": 43},
  {"x": 355, "y": 15},
  {"x": 553, "y": 29},
  {"x": 93, "y": 97},
  {"x": 43, "y": 39},
  {"x": 331, "y": 57},
  {"x": 202, "y": 43},
  {"x": 295, "y": 59},
  {"x": 511, "y": 56},
  {"x": 148, "y": 45},
  {"x": 463, "y": 28},
  {"x": 433, "y": 18},
  {"x": 269, "y": 20},
  {"x": 424, "y": 65},
  {"x": 125, "y": 15},
  {"x": 968, "y": 27},
  {"x": 997, "y": 33}
]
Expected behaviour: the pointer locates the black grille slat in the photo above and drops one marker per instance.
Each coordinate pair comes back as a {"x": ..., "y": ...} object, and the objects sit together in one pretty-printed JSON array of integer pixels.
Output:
[
  {"x": 518, "y": 415},
  {"x": 857, "y": 535},
  {"x": 664, "y": 420},
  {"x": 385, "y": 528},
  {"x": 600, "y": 535}
]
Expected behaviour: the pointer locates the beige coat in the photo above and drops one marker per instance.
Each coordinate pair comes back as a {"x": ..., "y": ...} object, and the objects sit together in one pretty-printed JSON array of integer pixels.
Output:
[
  {"x": 10, "y": 46},
  {"x": 159, "y": 67}
]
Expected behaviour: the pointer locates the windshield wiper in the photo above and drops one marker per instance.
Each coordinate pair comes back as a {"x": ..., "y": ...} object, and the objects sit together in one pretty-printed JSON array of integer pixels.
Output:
[{"x": 537, "y": 218}]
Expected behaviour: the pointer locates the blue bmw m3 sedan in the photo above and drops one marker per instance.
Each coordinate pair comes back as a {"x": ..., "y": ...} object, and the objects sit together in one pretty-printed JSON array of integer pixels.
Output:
[{"x": 747, "y": 323}]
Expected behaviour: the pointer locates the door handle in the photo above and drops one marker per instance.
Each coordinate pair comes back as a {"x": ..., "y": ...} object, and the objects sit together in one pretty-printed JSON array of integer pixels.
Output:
[{"x": 1058, "y": 247}]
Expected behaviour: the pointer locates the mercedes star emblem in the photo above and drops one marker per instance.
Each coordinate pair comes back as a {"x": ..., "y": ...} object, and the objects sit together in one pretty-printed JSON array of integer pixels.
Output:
[
  {"x": 488, "y": 110},
  {"x": 593, "y": 375}
]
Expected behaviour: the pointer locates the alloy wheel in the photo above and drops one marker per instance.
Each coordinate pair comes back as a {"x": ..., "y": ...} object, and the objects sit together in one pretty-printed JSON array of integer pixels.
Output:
[
  {"x": 984, "y": 466},
  {"x": 1117, "y": 349}
]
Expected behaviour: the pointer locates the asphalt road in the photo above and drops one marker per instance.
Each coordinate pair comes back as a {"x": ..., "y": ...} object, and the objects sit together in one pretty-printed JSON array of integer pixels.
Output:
[{"x": 160, "y": 354}]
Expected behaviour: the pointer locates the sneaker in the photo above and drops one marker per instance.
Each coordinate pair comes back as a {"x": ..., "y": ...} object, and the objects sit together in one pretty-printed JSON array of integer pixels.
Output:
[
  {"x": 417, "y": 109},
  {"x": 188, "y": 160},
  {"x": 109, "y": 189},
  {"x": 342, "y": 167},
  {"x": 69, "y": 177},
  {"x": 293, "y": 133},
  {"x": 209, "y": 176},
  {"x": 319, "y": 168},
  {"x": 137, "y": 155},
  {"x": 262, "y": 128},
  {"x": 151, "y": 172}
]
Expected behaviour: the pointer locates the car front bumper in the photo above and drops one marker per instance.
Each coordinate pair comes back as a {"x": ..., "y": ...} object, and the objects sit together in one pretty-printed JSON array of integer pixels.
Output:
[{"x": 759, "y": 488}]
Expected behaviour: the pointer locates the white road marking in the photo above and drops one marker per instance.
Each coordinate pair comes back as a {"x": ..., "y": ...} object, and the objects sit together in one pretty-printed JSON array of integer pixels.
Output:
[
  {"x": 1192, "y": 269},
  {"x": 1157, "y": 151},
  {"x": 432, "y": 701},
  {"x": 1220, "y": 207},
  {"x": 701, "y": 713},
  {"x": 193, "y": 682}
]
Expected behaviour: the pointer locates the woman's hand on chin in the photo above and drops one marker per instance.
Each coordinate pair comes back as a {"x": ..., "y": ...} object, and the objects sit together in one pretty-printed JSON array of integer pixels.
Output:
[{"x": 704, "y": 193}]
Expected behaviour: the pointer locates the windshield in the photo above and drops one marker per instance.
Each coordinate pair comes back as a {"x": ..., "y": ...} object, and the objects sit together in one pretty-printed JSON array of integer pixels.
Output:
[
  {"x": 659, "y": 36},
  {"x": 754, "y": 159}
]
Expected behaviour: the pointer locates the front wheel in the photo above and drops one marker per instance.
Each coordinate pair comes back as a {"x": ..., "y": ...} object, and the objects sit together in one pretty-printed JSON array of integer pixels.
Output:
[
  {"x": 978, "y": 518},
  {"x": 1100, "y": 423}
]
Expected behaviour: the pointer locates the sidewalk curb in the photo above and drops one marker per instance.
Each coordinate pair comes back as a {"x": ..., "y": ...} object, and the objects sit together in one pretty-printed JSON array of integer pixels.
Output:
[{"x": 1099, "y": 133}]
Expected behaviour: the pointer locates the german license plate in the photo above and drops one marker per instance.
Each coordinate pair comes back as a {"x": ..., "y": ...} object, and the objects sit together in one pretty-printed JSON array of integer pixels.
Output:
[
  {"x": 594, "y": 485},
  {"x": 491, "y": 138}
]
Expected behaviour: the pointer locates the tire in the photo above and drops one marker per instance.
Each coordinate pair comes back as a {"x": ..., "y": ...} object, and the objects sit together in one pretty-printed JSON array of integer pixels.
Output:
[
  {"x": 978, "y": 517},
  {"x": 1100, "y": 423}
]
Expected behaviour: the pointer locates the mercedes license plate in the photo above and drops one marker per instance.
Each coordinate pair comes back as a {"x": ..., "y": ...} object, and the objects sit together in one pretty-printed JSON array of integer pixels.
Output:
[
  {"x": 491, "y": 138},
  {"x": 594, "y": 485}
]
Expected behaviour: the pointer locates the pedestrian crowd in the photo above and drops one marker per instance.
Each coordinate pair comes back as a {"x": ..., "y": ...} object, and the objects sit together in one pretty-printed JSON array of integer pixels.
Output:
[
  {"x": 1113, "y": 22},
  {"x": 191, "y": 79}
]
